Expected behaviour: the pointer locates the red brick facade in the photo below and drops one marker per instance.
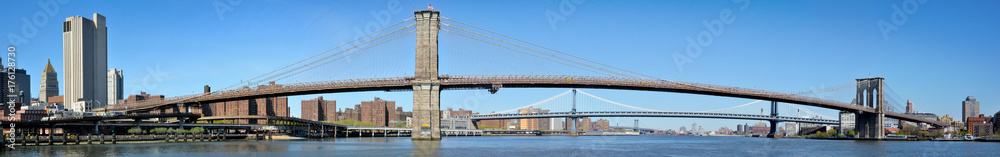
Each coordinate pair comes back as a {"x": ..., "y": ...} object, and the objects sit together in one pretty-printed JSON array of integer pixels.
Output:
[
  {"x": 319, "y": 109},
  {"x": 379, "y": 111}
]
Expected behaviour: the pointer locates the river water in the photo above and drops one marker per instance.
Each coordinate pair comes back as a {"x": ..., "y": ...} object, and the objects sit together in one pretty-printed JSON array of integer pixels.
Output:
[{"x": 529, "y": 146}]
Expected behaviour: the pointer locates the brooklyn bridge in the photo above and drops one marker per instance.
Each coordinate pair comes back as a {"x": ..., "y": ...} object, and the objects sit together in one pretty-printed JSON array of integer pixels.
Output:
[{"x": 426, "y": 83}]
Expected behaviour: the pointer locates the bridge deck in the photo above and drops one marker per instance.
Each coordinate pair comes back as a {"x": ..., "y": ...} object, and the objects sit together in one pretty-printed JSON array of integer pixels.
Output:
[
  {"x": 651, "y": 114},
  {"x": 507, "y": 81}
]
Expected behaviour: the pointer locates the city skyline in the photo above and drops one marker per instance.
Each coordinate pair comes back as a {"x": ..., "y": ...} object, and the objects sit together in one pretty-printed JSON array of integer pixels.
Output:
[{"x": 123, "y": 49}]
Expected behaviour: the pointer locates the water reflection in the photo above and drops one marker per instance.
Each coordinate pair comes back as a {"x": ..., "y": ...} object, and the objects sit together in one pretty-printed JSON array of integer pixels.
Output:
[
  {"x": 426, "y": 148},
  {"x": 524, "y": 146}
]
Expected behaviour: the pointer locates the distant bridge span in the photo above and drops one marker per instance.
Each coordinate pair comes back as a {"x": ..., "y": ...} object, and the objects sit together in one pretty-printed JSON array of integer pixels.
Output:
[
  {"x": 651, "y": 114},
  {"x": 495, "y": 82}
]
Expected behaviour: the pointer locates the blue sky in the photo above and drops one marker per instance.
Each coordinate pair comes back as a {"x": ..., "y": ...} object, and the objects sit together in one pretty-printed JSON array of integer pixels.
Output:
[{"x": 941, "y": 53}]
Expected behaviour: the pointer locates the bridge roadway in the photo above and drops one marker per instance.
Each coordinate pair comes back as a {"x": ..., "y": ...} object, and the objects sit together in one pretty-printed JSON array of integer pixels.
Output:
[
  {"x": 344, "y": 127},
  {"x": 650, "y": 114},
  {"x": 408, "y": 129},
  {"x": 101, "y": 118},
  {"x": 494, "y": 82},
  {"x": 269, "y": 118}
]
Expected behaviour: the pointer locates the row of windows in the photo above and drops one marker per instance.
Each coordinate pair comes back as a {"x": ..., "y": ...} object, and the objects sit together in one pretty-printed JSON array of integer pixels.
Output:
[{"x": 66, "y": 26}]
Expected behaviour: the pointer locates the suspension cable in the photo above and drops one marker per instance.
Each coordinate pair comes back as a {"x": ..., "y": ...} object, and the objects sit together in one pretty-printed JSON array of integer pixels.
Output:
[
  {"x": 349, "y": 54},
  {"x": 335, "y": 54},
  {"x": 313, "y": 56}
]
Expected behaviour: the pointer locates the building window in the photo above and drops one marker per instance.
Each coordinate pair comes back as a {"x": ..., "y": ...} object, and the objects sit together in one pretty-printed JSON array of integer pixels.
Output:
[{"x": 66, "y": 26}]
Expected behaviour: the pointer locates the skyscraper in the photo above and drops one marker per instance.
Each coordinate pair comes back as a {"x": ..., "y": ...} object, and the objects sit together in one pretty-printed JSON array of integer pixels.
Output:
[
  {"x": 909, "y": 106},
  {"x": 23, "y": 83},
  {"x": 21, "y": 86},
  {"x": 85, "y": 61},
  {"x": 739, "y": 128},
  {"x": 970, "y": 108},
  {"x": 694, "y": 127},
  {"x": 49, "y": 85},
  {"x": 115, "y": 86}
]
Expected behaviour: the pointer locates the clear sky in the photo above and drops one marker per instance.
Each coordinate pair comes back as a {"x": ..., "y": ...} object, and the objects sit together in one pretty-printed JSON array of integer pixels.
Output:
[{"x": 935, "y": 53}]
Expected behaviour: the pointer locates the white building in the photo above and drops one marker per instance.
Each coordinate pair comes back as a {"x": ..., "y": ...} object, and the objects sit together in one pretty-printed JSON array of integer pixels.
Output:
[
  {"x": 847, "y": 122},
  {"x": 409, "y": 122},
  {"x": 85, "y": 61},
  {"x": 456, "y": 123},
  {"x": 890, "y": 122},
  {"x": 791, "y": 128},
  {"x": 115, "y": 86},
  {"x": 555, "y": 124}
]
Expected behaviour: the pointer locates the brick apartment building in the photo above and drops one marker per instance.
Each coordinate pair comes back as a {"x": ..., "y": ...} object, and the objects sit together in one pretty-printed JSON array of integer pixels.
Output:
[
  {"x": 319, "y": 109},
  {"x": 379, "y": 111},
  {"x": 980, "y": 126}
]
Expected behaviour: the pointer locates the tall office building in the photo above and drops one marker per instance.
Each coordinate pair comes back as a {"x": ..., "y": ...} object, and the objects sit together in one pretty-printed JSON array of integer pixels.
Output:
[
  {"x": 22, "y": 81},
  {"x": 739, "y": 128},
  {"x": 909, "y": 106},
  {"x": 115, "y": 86},
  {"x": 49, "y": 85},
  {"x": 21, "y": 85},
  {"x": 85, "y": 61},
  {"x": 970, "y": 108}
]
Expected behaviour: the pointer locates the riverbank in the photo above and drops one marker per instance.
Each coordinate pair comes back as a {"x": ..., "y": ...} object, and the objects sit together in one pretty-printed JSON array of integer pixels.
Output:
[
  {"x": 907, "y": 139},
  {"x": 128, "y": 139}
]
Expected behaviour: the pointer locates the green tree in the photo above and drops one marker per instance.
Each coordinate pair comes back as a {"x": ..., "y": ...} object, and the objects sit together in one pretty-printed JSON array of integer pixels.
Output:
[
  {"x": 351, "y": 122},
  {"x": 832, "y": 132},
  {"x": 490, "y": 127},
  {"x": 910, "y": 130},
  {"x": 197, "y": 130},
  {"x": 821, "y": 134},
  {"x": 850, "y": 133},
  {"x": 135, "y": 130},
  {"x": 400, "y": 125},
  {"x": 160, "y": 130}
]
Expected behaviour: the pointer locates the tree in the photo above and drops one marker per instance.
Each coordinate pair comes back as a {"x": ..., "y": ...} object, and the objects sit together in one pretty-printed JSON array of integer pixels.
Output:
[
  {"x": 937, "y": 133},
  {"x": 135, "y": 130},
  {"x": 962, "y": 133},
  {"x": 400, "y": 125},
  {"x": 160, "y": 130},
  {"x": 197, "y": 130},
  {"x": 850, "y": 133},
  {"x": 490, "y": 127},
  {"x": 821, "y": 134},
  {"x": 910, "y": 130},
  {"x": 832, "y": 132},
  {"x": 351, "y": 122}
]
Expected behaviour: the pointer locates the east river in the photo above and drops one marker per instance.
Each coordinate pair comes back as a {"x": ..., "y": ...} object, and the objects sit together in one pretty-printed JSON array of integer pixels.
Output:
[{"x": 528, "y": 146}]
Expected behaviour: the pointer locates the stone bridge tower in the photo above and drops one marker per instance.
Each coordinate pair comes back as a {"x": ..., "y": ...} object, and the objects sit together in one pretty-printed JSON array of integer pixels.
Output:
[
  {"x": 426, "y": 86},
  {"x": 870, "y": 124}
]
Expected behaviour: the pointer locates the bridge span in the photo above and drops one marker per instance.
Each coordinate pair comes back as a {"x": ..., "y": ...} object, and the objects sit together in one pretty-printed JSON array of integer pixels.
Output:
[
  {"x": 650, "y": 114},
  {"x": 426, "y": 83},
  {"x": 496, "y": 82}
]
